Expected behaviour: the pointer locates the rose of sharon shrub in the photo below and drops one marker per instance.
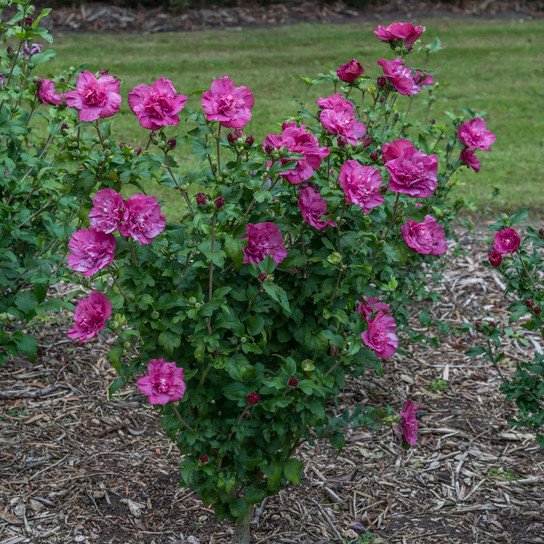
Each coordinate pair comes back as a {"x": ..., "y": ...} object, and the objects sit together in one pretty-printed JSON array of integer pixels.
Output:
[
  {"x": 253, "y": 286},
  {"x": 156, "y": 106},
  {"x": 90, "y": 317}
]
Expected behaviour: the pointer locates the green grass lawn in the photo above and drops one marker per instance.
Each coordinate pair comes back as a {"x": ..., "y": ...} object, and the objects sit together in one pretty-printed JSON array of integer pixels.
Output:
[{"x": 496, "y": 66}]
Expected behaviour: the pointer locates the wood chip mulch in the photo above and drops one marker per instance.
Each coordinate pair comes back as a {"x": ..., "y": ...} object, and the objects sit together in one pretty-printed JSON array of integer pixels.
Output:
[{"x": 78, "y": 468}]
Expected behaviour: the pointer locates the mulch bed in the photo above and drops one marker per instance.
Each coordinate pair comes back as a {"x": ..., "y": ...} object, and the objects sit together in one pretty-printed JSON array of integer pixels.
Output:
[
  {"x": 106, "y": 17},
  {"x": 77, "y": 467}
]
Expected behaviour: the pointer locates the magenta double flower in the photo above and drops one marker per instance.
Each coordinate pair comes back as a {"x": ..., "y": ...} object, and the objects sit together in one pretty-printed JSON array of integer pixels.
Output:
[
  {"x": 474, "y": 134},
  {"x": 264, "y": 239},
  {"x": 397, "y": 33},
  {"x": 361, "y": 184},
  {"x": 412, "y": 172},
  {"x": 94, "y": 98},
  {"x": 350, "y": 72},
  {"x": 46, "y": 92},
  {"x": 156, "y": 106},
  {"x": 506, "y": 241},
  {"x": 90, "y": 316},
  {"x": 163, "y": 382},
  {"x": 92, "y": 251},
  {"x": 298, "y": 140},
  {"x": 229, "y": 105},
  {"x": 427, "y": 237},
  {"x": 400, "y": 76},
  {"x": 313, "y": 208},
  {"x": 381, "y": 336}
]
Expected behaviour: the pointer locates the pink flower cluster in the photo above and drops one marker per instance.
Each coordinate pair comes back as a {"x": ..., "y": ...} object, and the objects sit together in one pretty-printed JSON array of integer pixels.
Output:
[
  {"x": 400, "y": 76},
  {"x": 303, "y": 142},
  {"x": 94, "y": 249},
  {"x": 338, "y": 117},
  {"x": 163, "y": 382},
  {"x": 90, "y": 316},
  {"x": 313, "y": 208},
  {"x": 474, "y": 135},
  {"x": 427, "y": 237},
  {"x": 264, "y": 239},
  {"x": 412, "y": 172}
]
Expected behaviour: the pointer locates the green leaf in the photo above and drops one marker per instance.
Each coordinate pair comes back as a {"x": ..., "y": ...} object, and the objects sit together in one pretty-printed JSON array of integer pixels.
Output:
[
  {"x": 292, "y": 470},
  {"x": 234, "y": 250},
  {"x": 169, "y": 341},
  {"x": 116, "y": 385},
  {"x": 520, "y": 216},
  {"x": 278, "y": 295},
  {"x": 26, "y": 301},
  {"x": 238, "y": 508},
  {"x": 114, "y": 357},
  {"x": 253, "y": 495},
  {"x": 27, "y": 344},
  {"x": 476, "y": 350}
]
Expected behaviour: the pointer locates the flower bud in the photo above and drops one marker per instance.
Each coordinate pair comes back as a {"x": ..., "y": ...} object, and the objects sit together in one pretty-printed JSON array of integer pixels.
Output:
[
  {"x": 219, "y": 202},
  {"x": 383, "y": 189},
  {"x": 162, "y": 145},
  {"x": 541, "y": 233},
  {"x": 122, "y": 145},
  {"x": 29, "y": 21},
  {"x": 529, "y": 303},
  {"x": 9, "y": 51},
  {"x": 192, "y": 301},
  {"x": 381, "y": 243},
  {"x": 63, "y": 128},
  {"x": 137, "y": 150},
  {"x": 103, "y": 72},
  {"x": 382, "y": 99},
  {"x": 201, "y": 199},
  {"x": 537, "y": 310},
  {"x": 269, "y": 149},
  {"x": 432, "y": 122},
  {"x": 250, "y": 140},
  {"x": 342, "y": 141},
  {"x": 366, "y": 141},
  {"x": 381, "y": 82},
  {"x": 243, "y": 340},
  {"x": 153, "y": 138},
  {"x": 374, "y": 156},
  {"x": 495, "y": 259},
  {"x": 127, "y": 345},
  {"x": 252, "y": 399},
  {"x": 203, "y": 459},
  {"x": 262, "y": 276},
  {"x": 155, "y": 315},
  {"x": 293, "y": 382},
  {"x": 478, "y": 325},
  {"x": 171, "y": 143},
  {"x": 232, "y": 138}
]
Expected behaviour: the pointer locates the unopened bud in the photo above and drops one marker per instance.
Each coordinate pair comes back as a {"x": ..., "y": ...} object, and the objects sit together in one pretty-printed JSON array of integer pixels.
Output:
[
  {"x": 269, "y": 149},
  {"x": 137, "y": 150},
  {"x": 381, "y": 82},
  {"x": 63, "y": 128},
  {"x": 192, "y": 301},
  {"x": 382, "y": 99},
  {"x": 541, "y": 233},
  {"x": 155, "y": 315},
  {"x": 171, "y": 143},
  {"x": 103, "y": 72},
  {"x": 250, "y": 140},
  {"x": 366, "y": 141},
  {"x": 432, "y": 122},
  {"x": 293, "y": 382},
  {"x": 529, "y": 303},
  {"x": 203, "y": 459},
  {"x": 232, "y": 138},
  {"x": 252, "y": 399},
  {"x": 342, "y": 141},
  {"x": 262, "y": 276},
  {"x": 219, "y": 202},
  {"x": 537, "y": 310},
  {"x": 29, "y": 21},
  {"x": 374, "y": 156},
  {"x": 201, "y": 199}
]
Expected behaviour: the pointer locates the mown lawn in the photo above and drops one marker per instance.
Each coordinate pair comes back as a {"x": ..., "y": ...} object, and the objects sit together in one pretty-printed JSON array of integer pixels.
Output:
[{"x": 493, "y": 66}]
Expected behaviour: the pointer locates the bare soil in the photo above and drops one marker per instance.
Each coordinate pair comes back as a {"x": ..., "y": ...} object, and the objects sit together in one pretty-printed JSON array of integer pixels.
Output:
[{"x": 77, "y": 467}]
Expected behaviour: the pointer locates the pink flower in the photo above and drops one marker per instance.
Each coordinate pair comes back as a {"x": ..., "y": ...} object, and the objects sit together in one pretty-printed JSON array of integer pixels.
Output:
[
  {"x": 264, "y": 239},
  {"x": 253, "y": 399},
  {"x": 393, "y": 150},
  {"x": 427, "y": 237},
  {"x": 423, "y": 78},
  {"x": 474, "y": 134},
  {"x": 409, "y": 422},
  {"x": 361, "y": 184},
  {"x": 92, "y": 251},
  {"x": 163, "y": 382},
  {"x": 399, "y": 31},
  {"x": 94, "y": 98},
  {"x": 340, "y": 119},
  {"x": 90, "y": 317},
  {"x": 468, "y": 156},
  {"x": 495, "y": 259},
  {"x": 107, "y": 211},
  {"x": 30, "y": 50},
  {"x": 413, "y": 173},
  {"x": 313, "y": 207},
  {"x": 46, "y": 92},
  {"x": 156, "y": 106},
  {"x": 381, "y": 336},
  {"x": 371, "y": 305},
  {"x": 334, "y": 101},
  {"x": 350, "y": 72},
  {"x": 506, "y": 241},
  {"x": 229, "y": 105},
  {"x": 298, "y": 140},
  {"x": 143, "y": 219},
  {"x": 400, "y": 76}
]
